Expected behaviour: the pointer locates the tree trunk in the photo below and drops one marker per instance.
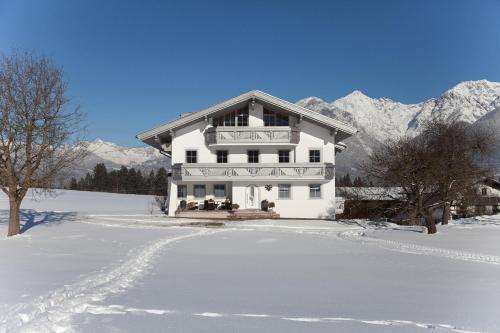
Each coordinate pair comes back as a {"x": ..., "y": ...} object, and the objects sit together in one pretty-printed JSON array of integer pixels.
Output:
[
  {"x": 446, "y": 213},
  {"x": 14, "y": 225},
  {"x": 431, "y": 224}
]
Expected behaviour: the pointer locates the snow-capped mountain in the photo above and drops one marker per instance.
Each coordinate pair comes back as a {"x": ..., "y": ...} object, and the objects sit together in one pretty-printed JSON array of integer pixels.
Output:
[
  {"x": 378, "y": 119},
  {"x": 115, "y": 156},
  {"x": 121, "y": 155}
]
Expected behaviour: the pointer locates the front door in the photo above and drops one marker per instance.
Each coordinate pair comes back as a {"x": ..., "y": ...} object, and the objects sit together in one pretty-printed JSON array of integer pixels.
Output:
[{"x": 252, "y": 196}]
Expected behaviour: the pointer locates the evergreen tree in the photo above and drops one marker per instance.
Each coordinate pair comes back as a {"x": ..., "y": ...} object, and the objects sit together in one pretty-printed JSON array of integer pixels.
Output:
[
  {"x": 161, "y": 182},
  {"x": 100, "y": 178},
  {"x": 73, "y": 184}
]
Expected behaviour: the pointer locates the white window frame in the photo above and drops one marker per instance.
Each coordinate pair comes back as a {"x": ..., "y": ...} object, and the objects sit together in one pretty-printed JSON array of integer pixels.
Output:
[
  {"x": 320, "y": 155},
  {"x": 197, "y": 155},
  {"x": 289, "y": 191},
  {"x": 186, "y": 187},
  {"x": 225, "y": 191},
  {"x": 194, "y": 191},
  {"x": 320, "y": 191},
  {"x": 289, "y": 153},
  {"x": 258, "y": 156}
]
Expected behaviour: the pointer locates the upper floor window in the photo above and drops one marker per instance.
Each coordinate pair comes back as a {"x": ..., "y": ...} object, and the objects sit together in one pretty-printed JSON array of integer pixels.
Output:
[
  {"x": 284, "y": 156},
  {"x": 484, "y": 191},
  {"x": 242, "y": 117},
  {"x": 221, "y": 156},
  {"x": 314, "y": 156},
  {"x": 191, "y": 156},
  {"x": 272, "y": 118},
  {"x": 253, "y": 156},
  {"x": 233, "y": 118}
]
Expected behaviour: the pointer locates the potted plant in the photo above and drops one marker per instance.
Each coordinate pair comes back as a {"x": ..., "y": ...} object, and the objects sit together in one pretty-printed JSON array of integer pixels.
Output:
[
  {"x": 271, "y": 206},
  {"x": 264, "y": 205}
]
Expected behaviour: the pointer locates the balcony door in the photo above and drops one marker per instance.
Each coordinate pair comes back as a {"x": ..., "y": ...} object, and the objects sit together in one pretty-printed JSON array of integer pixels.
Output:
[{"x": 252, "y": 197}]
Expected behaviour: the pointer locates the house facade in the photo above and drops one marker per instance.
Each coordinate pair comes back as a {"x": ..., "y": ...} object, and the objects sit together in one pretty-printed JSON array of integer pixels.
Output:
[{"x": 251, "y": 148}]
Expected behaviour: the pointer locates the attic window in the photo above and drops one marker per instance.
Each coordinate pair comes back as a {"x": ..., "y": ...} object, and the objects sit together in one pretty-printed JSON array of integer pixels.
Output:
[
  {"x": 233, "y": 118},
  {"x": 272, "y": 118}
]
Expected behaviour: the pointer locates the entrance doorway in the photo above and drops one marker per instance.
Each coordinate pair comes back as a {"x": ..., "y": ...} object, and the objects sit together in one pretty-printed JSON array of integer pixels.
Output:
[{"x": 252, "y": 197}]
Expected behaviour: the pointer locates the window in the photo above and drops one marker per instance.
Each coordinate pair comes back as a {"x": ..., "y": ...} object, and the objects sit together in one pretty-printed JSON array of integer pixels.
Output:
[
  {"x": 282, "y": 120},
  {"x": 243, "y": 117},
  {"x": 284, "y": 156},
  {"x": 219, "y": 190},
  {"x": 284, "y": 191},
  {"x": 182, "y": 191},
  {"x": 315, "y": 191},
  {"x": 253, "y": 156},
  {"x": 484, "y": 191},
  {"x": 191, "y": 156},
  {"x": 269, "y": 118},
  {"x": 221, "y": 156},
  {"x": 272, "y": 118},
  {"x": 232, "y": 118},
  {"x": 199, "y": 191},
  {"x": 314, "y": 156}
]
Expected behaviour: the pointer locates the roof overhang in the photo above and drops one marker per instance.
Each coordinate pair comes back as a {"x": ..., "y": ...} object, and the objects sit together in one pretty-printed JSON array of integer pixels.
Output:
[{"x": 161, "y": 134}]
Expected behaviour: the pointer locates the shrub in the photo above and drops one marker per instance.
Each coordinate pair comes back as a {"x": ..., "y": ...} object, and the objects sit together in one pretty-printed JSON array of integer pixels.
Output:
[{"x": 235, "y": 206}]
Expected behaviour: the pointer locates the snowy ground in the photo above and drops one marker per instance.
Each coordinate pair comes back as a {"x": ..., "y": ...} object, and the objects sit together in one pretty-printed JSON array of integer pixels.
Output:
[{"x": 93, "y": 262}]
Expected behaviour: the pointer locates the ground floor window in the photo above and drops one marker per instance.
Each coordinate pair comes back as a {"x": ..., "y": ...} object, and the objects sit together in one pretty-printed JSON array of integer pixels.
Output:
[
  {"x": 219, "y": 190},
  {"x": 315, "y": 191},
  {"x": 199, "y": 191},
  {"x": 284, "y": 191},
  {"x": 182, "y": 191}
]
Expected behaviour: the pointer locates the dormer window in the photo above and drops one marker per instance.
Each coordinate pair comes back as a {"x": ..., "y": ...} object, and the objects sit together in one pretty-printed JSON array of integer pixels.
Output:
[{"x": 272, "y": 118}]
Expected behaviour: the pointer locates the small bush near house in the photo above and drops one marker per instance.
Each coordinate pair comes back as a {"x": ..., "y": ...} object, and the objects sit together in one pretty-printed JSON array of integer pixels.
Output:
[
  {"x": 271, "y": 205},
  {"x": 235, "y": 206},
  {"x": 264, "y": 205}
]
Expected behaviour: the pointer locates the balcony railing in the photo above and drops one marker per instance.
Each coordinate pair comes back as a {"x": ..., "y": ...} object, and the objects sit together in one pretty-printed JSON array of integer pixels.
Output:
[
  {"x": 257, "y": 171},
  {"x": 235, "y": 135}
]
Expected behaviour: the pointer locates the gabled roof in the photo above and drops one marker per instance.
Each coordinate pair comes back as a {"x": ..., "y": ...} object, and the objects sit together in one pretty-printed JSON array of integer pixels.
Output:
[{"x": 343, "y": 130}]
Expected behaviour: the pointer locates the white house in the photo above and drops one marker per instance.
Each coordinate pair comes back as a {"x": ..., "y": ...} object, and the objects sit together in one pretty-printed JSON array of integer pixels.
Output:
[{"x": 250, "y": 148}]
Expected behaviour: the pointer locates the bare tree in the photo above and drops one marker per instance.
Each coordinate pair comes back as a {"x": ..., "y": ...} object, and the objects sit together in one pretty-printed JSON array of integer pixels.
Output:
[
  {"x": 455, "y": 148},
  {"x": 36, "y": 125},
  {"x": 405, "y": 162}
]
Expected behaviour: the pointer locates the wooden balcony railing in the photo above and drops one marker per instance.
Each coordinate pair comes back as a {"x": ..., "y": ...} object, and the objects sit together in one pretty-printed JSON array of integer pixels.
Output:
[
  {"x": 257, "y": 171},
  {"x": 235, "y": 135}
]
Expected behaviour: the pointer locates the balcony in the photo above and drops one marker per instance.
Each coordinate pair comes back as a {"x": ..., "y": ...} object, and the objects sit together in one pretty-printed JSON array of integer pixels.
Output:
[
  {"x": 257, "y": 171},
  {"x": 222, "y": 135}
]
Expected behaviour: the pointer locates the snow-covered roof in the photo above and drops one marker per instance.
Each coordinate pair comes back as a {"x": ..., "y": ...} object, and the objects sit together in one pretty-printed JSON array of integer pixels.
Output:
[
  {"x": 370, "y": 193},
  {"x": 343, "y": 130}
]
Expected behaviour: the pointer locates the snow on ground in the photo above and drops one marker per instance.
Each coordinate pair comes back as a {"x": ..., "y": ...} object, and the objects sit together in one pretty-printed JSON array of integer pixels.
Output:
[{"x": 95, "y": 262}]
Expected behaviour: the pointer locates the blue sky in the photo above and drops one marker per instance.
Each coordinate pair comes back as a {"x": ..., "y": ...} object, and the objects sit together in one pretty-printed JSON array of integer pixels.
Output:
[{"x": 133, "y": 65}]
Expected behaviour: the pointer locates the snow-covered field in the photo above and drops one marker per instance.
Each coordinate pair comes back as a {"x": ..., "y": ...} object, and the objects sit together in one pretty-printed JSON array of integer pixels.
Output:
[{"x": 94, "y": 262}]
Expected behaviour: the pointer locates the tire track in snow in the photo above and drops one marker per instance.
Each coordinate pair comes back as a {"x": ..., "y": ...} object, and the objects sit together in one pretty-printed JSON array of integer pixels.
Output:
[
  {"x": 361, "y": 236},
  {"x": 54, "y": 311}
]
